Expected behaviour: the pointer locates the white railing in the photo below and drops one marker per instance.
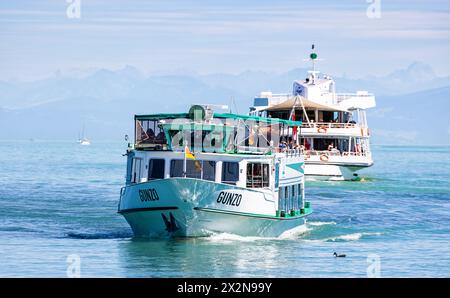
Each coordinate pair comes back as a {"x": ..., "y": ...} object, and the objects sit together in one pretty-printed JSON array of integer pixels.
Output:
[
  {"x": 343, "y": 96},
  {"x": 293, "y": 152},
  {"x": 327, "y": 125},
  {"x": 308, "y": 153}
]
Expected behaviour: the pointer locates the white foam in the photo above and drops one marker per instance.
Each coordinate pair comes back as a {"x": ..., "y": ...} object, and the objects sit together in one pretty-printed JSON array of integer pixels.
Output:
[
  {"x": 227, "y": 237},
  {"x": 320, "y": 223},
  {"x": 352, "y": 237},
  {"x": 294, "y": 233},
  {"x": 233, "y": 237}
]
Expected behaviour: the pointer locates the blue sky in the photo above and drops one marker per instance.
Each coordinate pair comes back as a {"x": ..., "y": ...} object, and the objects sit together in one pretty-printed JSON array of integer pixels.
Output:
[{"x": 37, "y": 38}]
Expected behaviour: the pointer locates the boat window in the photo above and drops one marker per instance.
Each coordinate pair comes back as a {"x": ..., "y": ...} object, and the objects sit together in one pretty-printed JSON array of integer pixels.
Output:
[
  {"x": 257, "y": 175},
  {"x": 294, "y": 197},
  {"x": 286, "y": 197},
  {"x": 281, "y": 200},
  {"x": 176, "y": 168},
  {"x": 265, "y": 175},
  {"x": 150, "y": 134},
  {"x": 230, "y": 172},
  {"x": 136, "y": 170},
  {"x": 199, "y": 169},
  {"x": 209, "y": 170},
  {"x": 156, "y": 169}
]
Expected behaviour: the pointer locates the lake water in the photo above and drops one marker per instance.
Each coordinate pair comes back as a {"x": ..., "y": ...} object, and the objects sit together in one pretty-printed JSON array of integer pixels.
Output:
[{"x": 59, "y": 200}]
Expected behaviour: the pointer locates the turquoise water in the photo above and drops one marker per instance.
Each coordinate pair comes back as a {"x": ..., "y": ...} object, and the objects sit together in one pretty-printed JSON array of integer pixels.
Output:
[{"x": 59, "y": 199}]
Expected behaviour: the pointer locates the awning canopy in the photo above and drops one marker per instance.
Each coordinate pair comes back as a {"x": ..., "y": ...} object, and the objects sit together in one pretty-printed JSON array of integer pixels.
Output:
[{"x": 308, "y": 104}]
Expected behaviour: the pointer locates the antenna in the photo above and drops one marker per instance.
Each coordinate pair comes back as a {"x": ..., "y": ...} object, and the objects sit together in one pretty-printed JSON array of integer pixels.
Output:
[{"x": 313, "y": 59}]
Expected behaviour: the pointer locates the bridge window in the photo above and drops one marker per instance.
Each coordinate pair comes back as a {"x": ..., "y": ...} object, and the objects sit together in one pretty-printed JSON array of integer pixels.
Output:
[
  {"x": 209, "y": 170},
  {"x": 230, "y": 172},
  {"x": 156, "y": 169},
  {"x": 136, "y": 170},
  {"x": 257, "y": 175},
  {"x": 199, "y": 169}
]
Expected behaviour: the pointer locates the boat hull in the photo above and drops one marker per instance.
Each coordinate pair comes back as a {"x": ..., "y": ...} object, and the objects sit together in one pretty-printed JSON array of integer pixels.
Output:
[
  {"x": 184, "y": 207},
  {"x": 332, "y": 172}
]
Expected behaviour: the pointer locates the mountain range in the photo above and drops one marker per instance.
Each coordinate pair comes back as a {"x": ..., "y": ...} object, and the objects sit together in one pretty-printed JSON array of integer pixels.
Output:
[{"x": 411, "y": 102}]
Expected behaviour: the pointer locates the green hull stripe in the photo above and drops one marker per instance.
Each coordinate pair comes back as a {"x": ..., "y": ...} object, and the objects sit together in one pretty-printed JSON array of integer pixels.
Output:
[{"x": 308, "y": 211}]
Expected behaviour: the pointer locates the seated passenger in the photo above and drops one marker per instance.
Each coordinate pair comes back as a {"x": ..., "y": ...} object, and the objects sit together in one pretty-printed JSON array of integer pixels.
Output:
[
  {"x": 283, "y": 145},
  {"x": 149, "y": 136},
  {"x": 161, "y": 138}
]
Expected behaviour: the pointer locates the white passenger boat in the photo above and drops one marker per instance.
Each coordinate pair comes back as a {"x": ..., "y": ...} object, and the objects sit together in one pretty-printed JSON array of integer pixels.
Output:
[
  {"x": 198, "y": 173},
  {"x": 335, "y": 134}
]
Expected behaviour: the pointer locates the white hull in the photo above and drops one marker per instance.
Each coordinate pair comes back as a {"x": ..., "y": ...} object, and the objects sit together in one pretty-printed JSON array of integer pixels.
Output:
[
  {"x": 190, "y": 207},
  {"x": 331, "y": 172}
]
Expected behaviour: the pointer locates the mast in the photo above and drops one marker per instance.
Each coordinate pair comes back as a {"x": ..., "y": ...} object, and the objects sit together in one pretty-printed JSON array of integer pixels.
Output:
[{"x": 313, "y": 58}]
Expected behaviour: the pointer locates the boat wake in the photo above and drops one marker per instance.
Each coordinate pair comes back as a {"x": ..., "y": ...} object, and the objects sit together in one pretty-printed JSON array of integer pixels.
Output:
[
  {"x": 320, "y": 223},
  {"x": 100, "y": 235},
  {"x": 345, "y": 237},
  {"x": 287, "y": 235},
  {"x": 351, "y": 237}
]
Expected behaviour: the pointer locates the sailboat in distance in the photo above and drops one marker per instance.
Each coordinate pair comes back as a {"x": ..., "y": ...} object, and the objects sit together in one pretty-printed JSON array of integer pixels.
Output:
[{"x": 83, "y": 140}]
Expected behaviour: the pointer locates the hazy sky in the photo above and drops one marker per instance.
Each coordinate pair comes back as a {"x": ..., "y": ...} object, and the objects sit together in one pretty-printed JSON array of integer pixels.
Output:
[{"x": 37, "y": 37}]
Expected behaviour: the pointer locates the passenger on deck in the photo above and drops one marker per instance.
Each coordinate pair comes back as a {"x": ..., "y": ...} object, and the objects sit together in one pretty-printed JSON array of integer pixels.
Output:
[
  {"x": 161, "y": 138},
  {"x": 291, "y": 144},
  {"x": 149, "y": 136}
]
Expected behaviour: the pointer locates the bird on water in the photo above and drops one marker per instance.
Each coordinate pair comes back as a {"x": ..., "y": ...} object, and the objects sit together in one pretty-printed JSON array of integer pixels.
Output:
[{"x": 339, "y": 255}]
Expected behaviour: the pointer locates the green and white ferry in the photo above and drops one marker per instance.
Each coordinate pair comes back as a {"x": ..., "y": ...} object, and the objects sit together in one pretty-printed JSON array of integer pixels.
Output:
[{"x": 201, "y": 172}]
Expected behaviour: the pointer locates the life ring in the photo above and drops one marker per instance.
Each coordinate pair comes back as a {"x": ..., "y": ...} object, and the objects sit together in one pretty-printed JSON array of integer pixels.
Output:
[
  {"x": 322, "y": 129},
  {"x": 324, "y": 157}
]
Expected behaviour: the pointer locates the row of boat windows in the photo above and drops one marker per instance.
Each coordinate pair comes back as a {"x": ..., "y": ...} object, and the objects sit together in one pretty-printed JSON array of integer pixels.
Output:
[
  {"x": 290, "y": 197},
  {"x": 257, "y": 173}
]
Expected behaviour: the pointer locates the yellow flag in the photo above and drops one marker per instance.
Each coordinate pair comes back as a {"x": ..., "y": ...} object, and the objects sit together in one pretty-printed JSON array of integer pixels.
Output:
[{"x": 188, "y": 153}]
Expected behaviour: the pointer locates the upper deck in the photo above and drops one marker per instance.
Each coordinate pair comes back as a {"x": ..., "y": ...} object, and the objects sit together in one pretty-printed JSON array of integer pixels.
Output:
[{"x": 202, "y": 130}]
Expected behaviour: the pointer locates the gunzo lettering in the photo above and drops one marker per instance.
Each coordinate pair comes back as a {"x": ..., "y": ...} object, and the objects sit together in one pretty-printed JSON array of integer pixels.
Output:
[
  {"x": 148, "y": 195},
  {"x": 227, "y": 198}
]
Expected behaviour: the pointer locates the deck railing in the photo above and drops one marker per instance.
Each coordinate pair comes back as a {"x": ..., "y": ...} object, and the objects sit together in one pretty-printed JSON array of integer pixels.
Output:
[
  {"x": 327, "y": 125},
  {"x": 308, "y": 153}
]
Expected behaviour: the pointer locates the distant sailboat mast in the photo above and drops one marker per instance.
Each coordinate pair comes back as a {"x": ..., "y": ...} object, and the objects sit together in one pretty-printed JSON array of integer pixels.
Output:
[{"x": 83, "y": 140}]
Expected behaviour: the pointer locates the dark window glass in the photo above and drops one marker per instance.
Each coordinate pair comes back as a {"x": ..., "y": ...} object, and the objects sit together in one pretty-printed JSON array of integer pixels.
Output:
[
  {"x": 136, "y": 170},
  {"x": 193, "y": 169},
  {"x": 265, "y": 175},
  {"x": 209, "y": 170},
  {"x": 230, "y": 172},
  {"x": 176, "y": 168},
  {"x": 156, "y": 169},
  {"x": 257, "y": 175}
]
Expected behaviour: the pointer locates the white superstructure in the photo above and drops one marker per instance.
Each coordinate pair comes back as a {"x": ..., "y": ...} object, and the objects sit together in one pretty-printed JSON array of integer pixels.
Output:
[{"x": 335, "y": 134}]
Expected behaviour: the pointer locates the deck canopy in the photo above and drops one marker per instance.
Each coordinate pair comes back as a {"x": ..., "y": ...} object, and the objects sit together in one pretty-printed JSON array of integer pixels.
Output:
[
  {"x": 216, "y": 132},
  {"x": 308, "y": 104},
  {"x": 221, "y": 116}
]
